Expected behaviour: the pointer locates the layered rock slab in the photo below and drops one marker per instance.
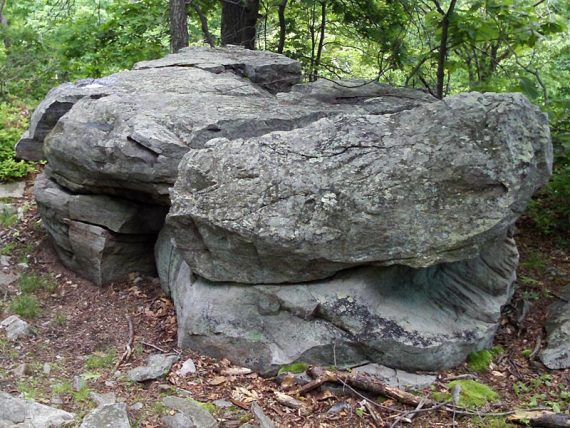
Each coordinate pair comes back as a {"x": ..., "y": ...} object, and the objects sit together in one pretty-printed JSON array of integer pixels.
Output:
[
  {"x": 556, "y": 355},
  {"x": 101, "y": 237},
  {"x": 418, "y": 187},
  {"x": 415, "y": 319}
]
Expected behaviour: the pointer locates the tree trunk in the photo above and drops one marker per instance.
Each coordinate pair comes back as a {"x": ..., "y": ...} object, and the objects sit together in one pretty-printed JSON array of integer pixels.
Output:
[
  {"x": 321, "y": 39},
  {"x": 239, "y": 18},
  {"x": 4, "y": 24},
  {"x": 282, "y": 26},
  {"x": 443, "y": 49},
  {"x": 204, "y": 22},
  {"x": 178, "y": 25}
]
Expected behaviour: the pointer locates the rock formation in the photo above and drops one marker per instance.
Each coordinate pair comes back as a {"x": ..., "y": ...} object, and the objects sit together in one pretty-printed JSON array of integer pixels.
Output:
[{"x": 324, "y": 222}]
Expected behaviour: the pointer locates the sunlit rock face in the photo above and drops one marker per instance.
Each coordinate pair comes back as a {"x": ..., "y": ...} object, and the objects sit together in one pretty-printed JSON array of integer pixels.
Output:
[{"x": 288, "y": 221}]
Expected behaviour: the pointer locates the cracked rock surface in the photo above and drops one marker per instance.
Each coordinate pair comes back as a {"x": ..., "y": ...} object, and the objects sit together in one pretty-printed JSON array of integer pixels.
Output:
[{"x": 294, "y": 221}]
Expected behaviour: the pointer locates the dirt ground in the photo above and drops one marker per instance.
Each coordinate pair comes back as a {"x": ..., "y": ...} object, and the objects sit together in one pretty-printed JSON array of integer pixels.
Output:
[{"x": 82, "y": 330}]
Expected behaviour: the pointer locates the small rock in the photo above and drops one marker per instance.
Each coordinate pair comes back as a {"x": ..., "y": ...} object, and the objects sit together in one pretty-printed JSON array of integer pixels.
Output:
[
  {"x": 15, "y": 327},
  {"x": 103, "y": 399},
  {"x": 198, "y": 416},
  {"x": 177, "y": 421},
  {"x": 338, "y": 407},
  {"x": 187, "y": 367},
  {"x": 17, "y": 412},
  {"x": 397, "y": 378},
  {"x": 5, "y": 261},
  {"x": 12, "y": 190},
  {"x": 260, "y": 417},
  {"x": 23, "y": 370},
  {"x": 223, "y": 404},
  {"x": 47, "y": 368},
  {"x": 137, "y": 406},
  {"x": 23, "y": 265},
  {"x": 556, "y": 355},
  {"x": 109, "y": 416},
  {"x": 56, "y": 399},
  {"x": 78, "y": 383},
  {"x": 158, "y": 365}
]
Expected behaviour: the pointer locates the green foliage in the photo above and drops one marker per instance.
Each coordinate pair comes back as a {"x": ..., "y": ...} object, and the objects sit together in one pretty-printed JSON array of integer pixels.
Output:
[
  {"x": 491, "y": 423},
  {"x": 473, "y": 394},
  {"x": 25, "y": 306},
  {"x": 13, "y": 122},
  {"x": 481, "y": 360},
  {"x": 32, "y": 282},
  {"x": 297, "y": 367},
  {"x": 100, "y": 360}
]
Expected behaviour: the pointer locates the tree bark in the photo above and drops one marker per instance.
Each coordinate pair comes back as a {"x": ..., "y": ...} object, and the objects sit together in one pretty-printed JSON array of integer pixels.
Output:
[
  {"x": 178, "y": 25},
  {"x": 4, "y": 24},
  {"x": 239, "y": 18},
  {"x": 204, "y": 23},
  {"x": 443, "y": 49},
  {"x": 282, "y": 26},
  {"x": 321, "y": 39}
]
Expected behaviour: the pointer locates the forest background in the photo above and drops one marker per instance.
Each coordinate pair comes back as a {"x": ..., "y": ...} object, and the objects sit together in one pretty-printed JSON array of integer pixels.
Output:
[{"x": 439, "y": 46}]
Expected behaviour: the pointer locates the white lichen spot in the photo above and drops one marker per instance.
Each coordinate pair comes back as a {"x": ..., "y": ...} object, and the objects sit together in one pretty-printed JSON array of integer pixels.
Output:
[{"x": 329, "y": 200}]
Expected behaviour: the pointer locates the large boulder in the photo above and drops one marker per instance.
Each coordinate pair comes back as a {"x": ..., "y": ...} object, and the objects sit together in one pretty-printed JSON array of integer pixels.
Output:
[
  {"x": 418, "y": 187},
  {"x": 415, "y": 319},
  {"x": 321, "y": 222}
]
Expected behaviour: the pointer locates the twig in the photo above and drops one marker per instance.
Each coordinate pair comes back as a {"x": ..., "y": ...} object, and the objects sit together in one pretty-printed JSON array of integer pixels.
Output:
[
  {"x": 536, "y": 349},
  {"x": 164, "y": 351},
  {"x": 129, "y": 346}
]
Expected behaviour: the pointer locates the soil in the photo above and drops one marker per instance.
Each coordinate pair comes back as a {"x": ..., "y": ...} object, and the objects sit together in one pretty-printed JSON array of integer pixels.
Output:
[{"x": 84, "y": 330}]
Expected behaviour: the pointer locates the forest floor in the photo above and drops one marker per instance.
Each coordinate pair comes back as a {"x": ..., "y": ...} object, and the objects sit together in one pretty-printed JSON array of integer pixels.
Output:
[{"x": 82, "y": 330}]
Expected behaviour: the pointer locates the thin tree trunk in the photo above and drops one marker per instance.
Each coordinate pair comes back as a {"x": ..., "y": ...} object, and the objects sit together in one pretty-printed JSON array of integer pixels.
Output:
[
  {"x": 282, "y": 26},
  {"x": 204, "y": 23},
  {"x": 443, "y": 50},
  {"x": 313, "y": 44},
  {"x": 178, "y": 25},
  {"x": 4, "y": 24},
  {"x": 321, "y": 38},
  {"x": 239, "y": 19}
]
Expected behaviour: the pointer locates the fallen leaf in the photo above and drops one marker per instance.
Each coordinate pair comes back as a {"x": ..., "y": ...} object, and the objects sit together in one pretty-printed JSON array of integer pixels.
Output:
[{"x": 218, "y": 380}]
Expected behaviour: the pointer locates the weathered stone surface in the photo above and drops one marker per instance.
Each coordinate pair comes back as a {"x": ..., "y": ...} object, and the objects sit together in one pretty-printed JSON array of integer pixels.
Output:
[
  {"x": 130, "y": 142},
  {"x": 397, "y": 378},
  {"x": 199, "y": 417},
  {"x": 16, "y": 328},
  {"x": 556, "y": 355},
  {"x": 108, "y": 416},
  {"x": 18, "y": 413},
  {"x": 419, "y": 187},
  {"x": 260, "y": 417},
  {"x": 101, "y": 237},
  {"x": 56, "y": 103},
  {"x": 12, "y": 190},
  {"x": 158, "y": 366},
  {"x": 275, "y": 73},
  {"x": 412, "y": 319}
]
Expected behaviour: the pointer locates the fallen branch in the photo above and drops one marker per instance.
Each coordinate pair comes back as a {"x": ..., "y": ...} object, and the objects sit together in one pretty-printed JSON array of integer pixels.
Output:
[
  {"x": 536, "y": 349},
  {"x": 164, "y": 351},
  {"x": 541, "y": 419},
  {"x": 361, "y": 381},
  {"x": 129, "y": 346}
]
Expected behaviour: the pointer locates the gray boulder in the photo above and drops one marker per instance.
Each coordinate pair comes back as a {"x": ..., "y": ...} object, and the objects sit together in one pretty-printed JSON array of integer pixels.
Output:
[
  {"x": 413, "y": 319},
  {"x": 16, "y": 328},
  {"x": 19, "y": 413},
  {"x": 189, "y": 412},
  {"x": 556, "y": 355},
  {"x": 158, "y": 366},
  {"x": 107, "y": 416},
  {"x": 101, "y": 237},
  {"x": 423, "y": 186},
  {"x": 130, "y": 142}
]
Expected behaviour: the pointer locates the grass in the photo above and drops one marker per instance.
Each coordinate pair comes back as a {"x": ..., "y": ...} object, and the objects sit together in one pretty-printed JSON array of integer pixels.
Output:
[
  {"x": 297, "y": 367},
  {"x": 59, "y": 319},
  {"x": 32, "y": 282},
  {"x": 7, "y": 218},
  {"x": 100, "y": 360},
  {"x": 481, "y": 360},
  {"x": 473, "y": 394},
  {"x": 8, "y": 249},
  {"x": 25, "y": 306}
]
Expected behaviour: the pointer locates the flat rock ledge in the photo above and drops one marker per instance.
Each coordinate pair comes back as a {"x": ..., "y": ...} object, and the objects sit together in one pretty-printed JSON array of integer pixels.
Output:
[
  {"x": 293, "y": 221},
  {"x": 19, "y": 413},
  {"x": 556, "y": 355}
]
